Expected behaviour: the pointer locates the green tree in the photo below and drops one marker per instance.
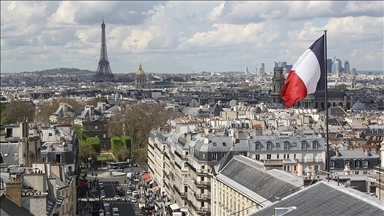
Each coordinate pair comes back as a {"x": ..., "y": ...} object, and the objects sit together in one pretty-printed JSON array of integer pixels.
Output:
[
  {"x": 94, "y": 142},
  {"x": 86, "y": 151},
  {"x": 79, "y": 132},
  {"x": 116, "y": 143},
  {"x": 126, "y": 141},
  {"x": 122, "y": 153},
  {"x": 18, "y": 111},
  {"x": 6, "y": 120}
]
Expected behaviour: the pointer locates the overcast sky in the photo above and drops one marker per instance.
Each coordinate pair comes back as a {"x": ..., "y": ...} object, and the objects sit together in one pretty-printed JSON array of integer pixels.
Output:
[{"x": 184, "y": 37}]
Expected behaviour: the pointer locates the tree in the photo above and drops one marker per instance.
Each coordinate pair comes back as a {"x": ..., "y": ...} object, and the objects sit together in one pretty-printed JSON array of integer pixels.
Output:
[
  {"x": 79, "y": 132},
  {"x": 86, "y": 151},
  {"x": 18, "y": 111},
  {"x": 122, "y": 153},
  {"x": 46, "y": 110},
  {"x": 94, "y": 142}
]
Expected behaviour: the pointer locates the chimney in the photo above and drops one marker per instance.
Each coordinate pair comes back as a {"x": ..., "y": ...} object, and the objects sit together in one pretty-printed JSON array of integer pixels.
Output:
[
  {"x": 206, "y": 139},
  {"x": 188, "y": 136},
  {"x": 13, "y": 190},
  {"x": 337, "y": 152}
]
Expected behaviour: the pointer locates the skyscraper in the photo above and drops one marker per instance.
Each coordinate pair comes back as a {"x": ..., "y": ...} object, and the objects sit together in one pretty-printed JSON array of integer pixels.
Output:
[
  {"x": 347, "y": 67},
  {"x": 262, "y": 68},
  {"x": 103, "y": 72},
  {"x": 329, "y": 66}
]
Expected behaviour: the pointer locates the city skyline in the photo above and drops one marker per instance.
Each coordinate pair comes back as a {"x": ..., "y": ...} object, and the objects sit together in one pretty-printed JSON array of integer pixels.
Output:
[{"x": 185, "y": 37}]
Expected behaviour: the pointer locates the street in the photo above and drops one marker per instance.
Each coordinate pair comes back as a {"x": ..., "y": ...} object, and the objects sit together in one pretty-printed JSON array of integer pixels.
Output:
[{"x": 90, "y": 202}]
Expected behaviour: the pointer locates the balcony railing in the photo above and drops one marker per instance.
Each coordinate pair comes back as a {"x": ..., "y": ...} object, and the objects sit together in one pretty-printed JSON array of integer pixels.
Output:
[
  {"x": 203, "y": 197},
  {"x": 202, "y": 171},
  {"x": 310, "y": 160},
  {"x": 202, "y": 184},
  {"x": 203, "y": 210}
]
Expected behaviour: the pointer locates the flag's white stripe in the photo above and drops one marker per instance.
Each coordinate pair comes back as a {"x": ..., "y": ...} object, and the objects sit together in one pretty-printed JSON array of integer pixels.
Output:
[{"x": 307, "y": 67}]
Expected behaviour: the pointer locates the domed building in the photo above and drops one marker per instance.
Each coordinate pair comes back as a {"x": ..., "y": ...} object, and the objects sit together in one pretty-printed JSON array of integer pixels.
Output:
[
  {"x": 336, "y": 98},
  {"x": 141, "y": 80}
]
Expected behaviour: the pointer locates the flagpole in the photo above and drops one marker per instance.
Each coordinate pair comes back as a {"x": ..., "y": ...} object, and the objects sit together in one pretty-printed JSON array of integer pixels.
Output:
[{"x": 326, "y": 102}]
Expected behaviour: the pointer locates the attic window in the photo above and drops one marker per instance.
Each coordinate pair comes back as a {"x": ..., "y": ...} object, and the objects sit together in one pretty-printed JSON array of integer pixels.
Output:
[
  {"x": 214, "y": 144},
  {"x": 50, "y": 134},
  {"x": 224, "y": 144}
]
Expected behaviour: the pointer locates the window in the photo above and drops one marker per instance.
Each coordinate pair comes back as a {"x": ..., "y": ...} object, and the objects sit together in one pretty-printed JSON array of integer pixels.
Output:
[
  {"x": 224, "y": 144},
  {"x": 332, "y": 165},
  {"x": 347, "y": 163},
  {"x": 268, "y": 156},
  {"x": 104, "y": 136},
  {"x": 357, "y": 163},
  {"x": 50, "y": 134},
  {"x": 287, "y": 156},
  {"x": 277, "y": 156},
  {"x": 269, "y": 146},
  {"x": 303, "y": 145},
  {"x": 214, "y": 156},
  {"x": 257, "y": 157},
  {"x": 257, "y": 145},
  {"x": 96, "y": 127},
  {"x": 286, "y": 145},
  {"x": 365, "y": 164},
  {"x": 314, "y": 145},
  {"x": 277, "y": 145},
  {"x": 214, "y": 144},
  {"x": 203, "y": 155}
]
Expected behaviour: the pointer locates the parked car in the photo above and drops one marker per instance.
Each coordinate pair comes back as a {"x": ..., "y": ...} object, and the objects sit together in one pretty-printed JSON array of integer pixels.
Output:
[{"x": 129, "y": 192}]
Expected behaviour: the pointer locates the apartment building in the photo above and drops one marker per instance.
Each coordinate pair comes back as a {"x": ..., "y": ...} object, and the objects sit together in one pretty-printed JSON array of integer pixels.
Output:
[
  {"x": 241, "y": 185},
  {"x": 43, "y": 189}
]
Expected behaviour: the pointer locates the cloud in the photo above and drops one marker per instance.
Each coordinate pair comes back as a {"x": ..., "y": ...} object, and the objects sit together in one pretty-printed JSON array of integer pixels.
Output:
[{"x": 174, "y": 36}]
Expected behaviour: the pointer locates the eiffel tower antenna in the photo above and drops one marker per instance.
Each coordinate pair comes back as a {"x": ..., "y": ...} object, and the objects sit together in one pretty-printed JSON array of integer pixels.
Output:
[{"x": 103, "y": 72}]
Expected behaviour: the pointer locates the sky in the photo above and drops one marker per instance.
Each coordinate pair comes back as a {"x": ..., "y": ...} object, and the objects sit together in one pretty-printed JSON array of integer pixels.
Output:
[{"x": 187, "y": 37}]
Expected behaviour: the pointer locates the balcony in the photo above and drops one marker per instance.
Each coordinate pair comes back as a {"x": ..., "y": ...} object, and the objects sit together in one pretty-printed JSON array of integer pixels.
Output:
[
  {"x": 309, "y": 160},
  {"x": 202, "y": 184},
  {"x": 202, "y": 172},
  {"x": 202, "y": 197},
  {"x": 182, "y": 157},
  {"x": 183, "y": 195},
  {"x": 203, "y": 210}
]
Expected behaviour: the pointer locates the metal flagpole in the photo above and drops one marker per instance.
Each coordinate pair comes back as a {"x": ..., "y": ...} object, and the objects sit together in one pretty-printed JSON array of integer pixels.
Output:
[{"x": 326, "y": 102}]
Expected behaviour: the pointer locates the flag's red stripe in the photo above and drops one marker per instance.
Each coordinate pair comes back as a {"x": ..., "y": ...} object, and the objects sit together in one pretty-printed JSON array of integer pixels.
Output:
[{"x": 293, "y": 90}]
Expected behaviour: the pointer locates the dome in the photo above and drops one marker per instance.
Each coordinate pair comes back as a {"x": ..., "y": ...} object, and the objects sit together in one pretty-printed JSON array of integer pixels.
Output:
[
  {"x": 140, "y": 71},
  {"x": 358, "y": 106}
]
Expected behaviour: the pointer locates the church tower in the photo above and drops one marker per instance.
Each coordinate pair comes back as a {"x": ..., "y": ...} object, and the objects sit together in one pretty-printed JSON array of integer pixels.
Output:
[
  {"x": 140, "y": 80},
  {"x": 277, "y": 83}
]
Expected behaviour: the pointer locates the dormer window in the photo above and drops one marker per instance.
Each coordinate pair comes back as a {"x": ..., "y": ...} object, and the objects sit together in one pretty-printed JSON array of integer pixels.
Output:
[
  {"x": 257, "y": 146},
  {"x": 357, "y": 163},
  {"x": 224, "y": 144},
  {"x": 365, "y": 164},
  {"x": 269, "y": 146},
  {"x": 314, "y": 145},
  {"x": 286, "y": 145},
  {"x": 214, "y": 144},
  {"x": 277, "y": 145},
  {"x": 332, "y": 165},
  {"x": 347, "y": 163},
  {"x": 303, "y": 145}
]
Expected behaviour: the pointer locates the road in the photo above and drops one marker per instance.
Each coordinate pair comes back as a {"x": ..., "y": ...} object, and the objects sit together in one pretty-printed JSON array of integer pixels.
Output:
[{"x": 110, "y": 184}]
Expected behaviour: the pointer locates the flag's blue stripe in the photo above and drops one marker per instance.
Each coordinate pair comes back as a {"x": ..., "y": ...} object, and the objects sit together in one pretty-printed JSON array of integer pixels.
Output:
[{"x": 318, "y": 49}]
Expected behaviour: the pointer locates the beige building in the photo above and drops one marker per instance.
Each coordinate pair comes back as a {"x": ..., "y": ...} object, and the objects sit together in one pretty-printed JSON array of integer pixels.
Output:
[
  {"x": 44, "y": 189},
  {"x": 241, "y": 185}
]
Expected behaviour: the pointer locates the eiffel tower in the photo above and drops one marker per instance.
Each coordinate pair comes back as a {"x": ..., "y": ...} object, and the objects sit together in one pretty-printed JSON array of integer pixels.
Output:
[{"x": 104, "y": 72}]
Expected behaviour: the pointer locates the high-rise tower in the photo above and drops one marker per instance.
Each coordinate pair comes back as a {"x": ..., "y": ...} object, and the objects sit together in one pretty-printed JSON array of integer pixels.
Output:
[{"x": 104, "y": 72}]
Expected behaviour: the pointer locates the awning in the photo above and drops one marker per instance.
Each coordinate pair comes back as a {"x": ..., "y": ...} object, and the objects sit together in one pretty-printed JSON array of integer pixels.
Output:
[
  {"x": 146, "y": 176},
  {"x": 151, "y": 182}
]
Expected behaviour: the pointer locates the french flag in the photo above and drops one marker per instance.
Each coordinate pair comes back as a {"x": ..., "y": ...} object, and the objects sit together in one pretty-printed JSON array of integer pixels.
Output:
[{"x": 307, "y": 74}]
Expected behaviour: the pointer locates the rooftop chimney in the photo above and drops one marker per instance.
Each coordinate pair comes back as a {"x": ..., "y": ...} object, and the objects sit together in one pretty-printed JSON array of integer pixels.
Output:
[{"x": 13, "y": 190}]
